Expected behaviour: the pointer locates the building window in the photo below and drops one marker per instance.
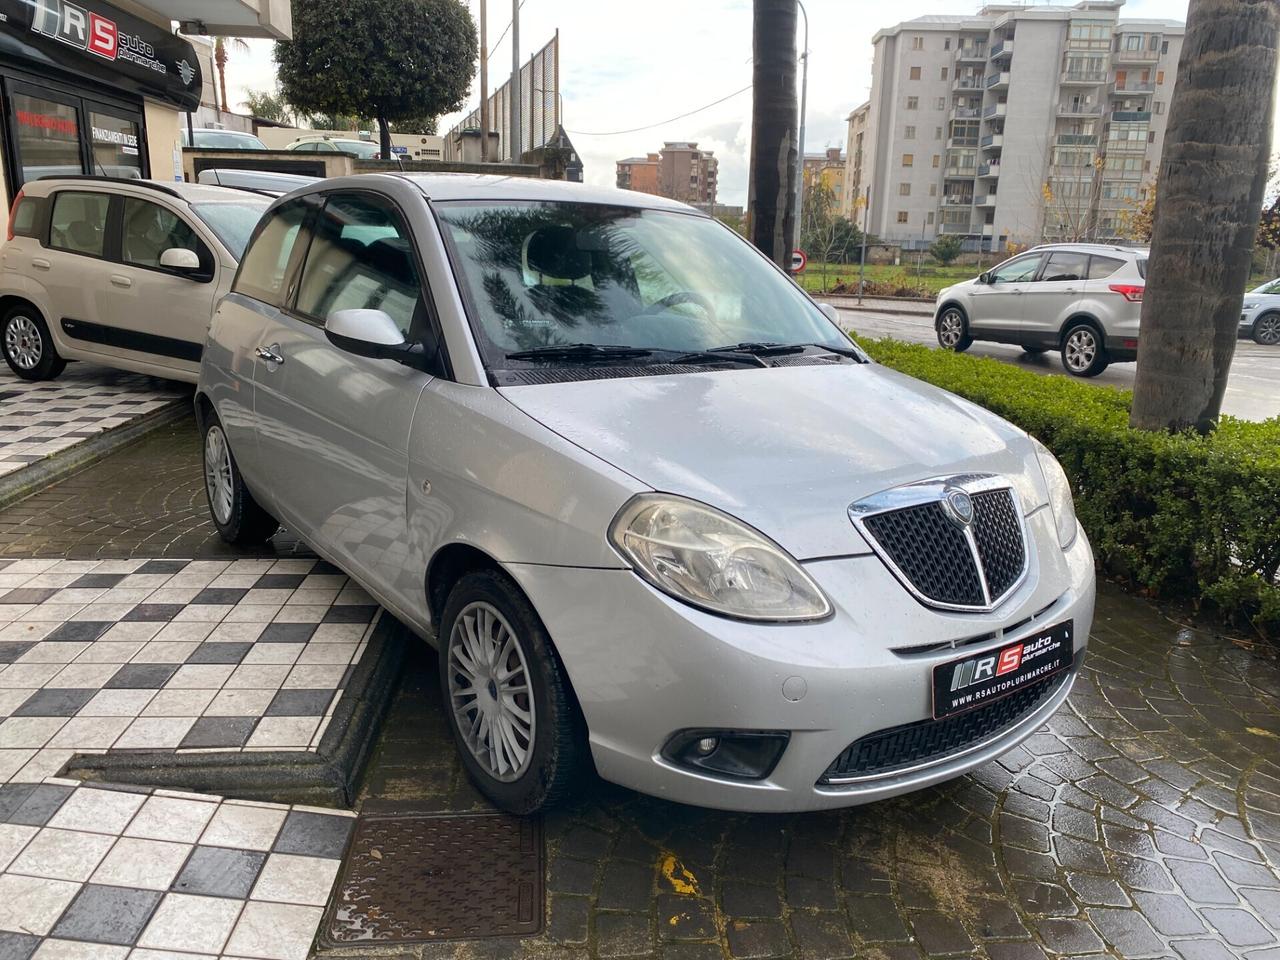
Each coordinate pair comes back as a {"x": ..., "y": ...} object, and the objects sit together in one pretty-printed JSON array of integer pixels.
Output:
[
  {"x": 915, "y": 73},
  {"x": 1151, "y": 136},
  {"x": 913, "y": 103},
  {"x": 917, "y": 43},
  {"x": 1159, "y": 107},
  {"x": 1155, "y": 42},
  {"x": 933, "y": 189},
  {"x": 944, "y": 74},
  {"x": 937, "y": 160},
  {"x": 904, "y": 189},
  {"x": 1159, "y": 77},
  {"x": 929, "y": 218},
  {"x": 937, "y": 133},
  {"x": 1164, "y": 47},
  {"x": 941, "y": 104},
  {"x": 902, "y": 216},
  {"x": 908, "y": 159},
  {"x": 946, "y": 43},
  {"x": 1133, "y": 41},
  {"x": 909, "y": 133}
]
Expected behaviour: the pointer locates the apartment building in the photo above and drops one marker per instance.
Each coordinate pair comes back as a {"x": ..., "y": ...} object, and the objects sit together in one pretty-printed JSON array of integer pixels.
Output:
[
  {"x": 1021, "y": 123},
  {"x": 828, "y": 169},
  {"x": 679, "y": 171},
  {"x": 854, "y": 153}
]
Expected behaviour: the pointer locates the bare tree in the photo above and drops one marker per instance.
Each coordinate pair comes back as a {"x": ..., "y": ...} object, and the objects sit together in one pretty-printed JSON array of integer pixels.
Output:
[
  {"x": 774, "y": 116},
  {"x": 1212, "y": 179}
]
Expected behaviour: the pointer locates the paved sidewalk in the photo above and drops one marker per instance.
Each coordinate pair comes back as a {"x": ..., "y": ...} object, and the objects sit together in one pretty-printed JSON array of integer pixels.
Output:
[{"x": 47, "y": 417}]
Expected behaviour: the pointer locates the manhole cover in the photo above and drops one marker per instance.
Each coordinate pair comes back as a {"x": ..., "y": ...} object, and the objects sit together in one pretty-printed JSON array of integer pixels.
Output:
[{"x": 422, "y": 878}]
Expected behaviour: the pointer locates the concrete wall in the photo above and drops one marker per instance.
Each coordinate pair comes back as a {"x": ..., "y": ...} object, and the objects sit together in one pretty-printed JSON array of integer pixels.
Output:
[{"x": 419, "y": 146}]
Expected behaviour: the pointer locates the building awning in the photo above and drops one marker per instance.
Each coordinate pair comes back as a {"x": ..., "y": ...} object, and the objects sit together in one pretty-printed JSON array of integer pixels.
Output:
[{"x": 272, "y": 19}]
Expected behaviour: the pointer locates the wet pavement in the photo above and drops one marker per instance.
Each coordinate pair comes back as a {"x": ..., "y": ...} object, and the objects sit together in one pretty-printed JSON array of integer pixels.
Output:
[{"x": 1142, "y": 821}]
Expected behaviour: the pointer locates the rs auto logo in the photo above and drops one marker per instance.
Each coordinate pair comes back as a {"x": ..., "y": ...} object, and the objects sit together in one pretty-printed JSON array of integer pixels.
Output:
[
  {"x": 986, "y": 667},
  {"x": 76, "y": 27}
]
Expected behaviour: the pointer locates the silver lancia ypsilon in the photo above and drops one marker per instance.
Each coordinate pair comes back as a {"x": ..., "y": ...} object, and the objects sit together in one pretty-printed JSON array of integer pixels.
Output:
[{"x": 660, "y": 516}]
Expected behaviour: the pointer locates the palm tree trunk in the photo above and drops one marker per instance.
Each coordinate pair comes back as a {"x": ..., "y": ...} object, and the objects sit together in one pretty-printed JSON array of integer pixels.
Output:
[
  {"x": 220, "y": 61},
  {"x": 774, "y": 118},
  {"x": 1212, "y": 180}
]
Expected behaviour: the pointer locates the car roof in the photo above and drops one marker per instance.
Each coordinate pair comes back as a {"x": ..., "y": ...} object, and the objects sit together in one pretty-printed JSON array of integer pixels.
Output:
[
  {"x": 1092, "y": 248},
  {"x": 188, "y": 192},
  {"x": 483, "y": 186}
]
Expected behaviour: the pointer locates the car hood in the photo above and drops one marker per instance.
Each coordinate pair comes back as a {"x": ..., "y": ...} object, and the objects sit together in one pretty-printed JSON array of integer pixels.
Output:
[{"x": 785, "y": 449}]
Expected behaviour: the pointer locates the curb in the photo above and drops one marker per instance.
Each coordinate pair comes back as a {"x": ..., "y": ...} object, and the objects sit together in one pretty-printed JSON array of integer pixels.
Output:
[
  {"x": 328, "y": 777},
  {"x": 43, "y": 473}
]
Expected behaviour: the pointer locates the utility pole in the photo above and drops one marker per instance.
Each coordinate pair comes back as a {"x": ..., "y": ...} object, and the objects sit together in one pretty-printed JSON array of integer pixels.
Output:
[
  {"x": 862, "y": 261},
  {"x": 517, "y": 98},
  {"x": 771, "y": 218},
  {"x": 484, "y": 82},
  {"x": 804, "y": 105}
]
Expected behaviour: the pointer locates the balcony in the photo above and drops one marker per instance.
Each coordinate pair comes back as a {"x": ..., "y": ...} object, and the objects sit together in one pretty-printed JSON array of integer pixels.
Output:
[
  {"x": 954, "y": 142},
  {"x": 1002, "y": 49},
  {"x": 1133, "y": 87},
  {"x": 961, "y": 228},
  {"x": 957, "y": 200},
  {"x": 1135, "y": 56},
  {"x": 1131, "y": 116},
  {"x": 998, "y": 81},
  {"x": 993, "y": 141},
  {"x": 971, "y": 53},
  {"x": 1079, "y": 110},
  {"x": 989, "y": 170},
  {"x": 989, "y": 200},
  {"x": 958, "y": 173},
  {"x": 1075, "y": 171},
  {"x": 1077, "y": 140},
  {"x": 1084, "y": 78},
  {"x": 967, "y": 83},
  {"x": 995, "y": 110},
  {"x": 965, "y": 113}
]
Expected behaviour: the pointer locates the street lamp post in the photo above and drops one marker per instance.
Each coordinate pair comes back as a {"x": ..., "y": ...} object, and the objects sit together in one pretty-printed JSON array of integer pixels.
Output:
[{"x": 804, "y": 103}]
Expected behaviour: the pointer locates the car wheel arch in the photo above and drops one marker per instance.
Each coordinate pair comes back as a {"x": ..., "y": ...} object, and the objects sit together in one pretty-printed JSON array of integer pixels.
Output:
[
  {"x": 937, "y": 317},
  {"x": 13, "y": 301},
  {"x": 448, "y": 565},
  {"x": 1076, "y": 320}
]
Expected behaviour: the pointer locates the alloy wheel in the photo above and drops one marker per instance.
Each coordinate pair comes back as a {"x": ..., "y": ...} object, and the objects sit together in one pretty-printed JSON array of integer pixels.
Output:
[
  {"x": 22, "y": 341},
  {"x": 217, "y": 474},
  {"x": 1081, "y": 351},
  {"x": 489, "y": 692},
  {"x": 1267, "y": 330},
  {"x": 950, "y": 329}
]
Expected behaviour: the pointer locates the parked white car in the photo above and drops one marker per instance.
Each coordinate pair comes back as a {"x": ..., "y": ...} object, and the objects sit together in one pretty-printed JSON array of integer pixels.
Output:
[
  {"x": 364, "y": 149},
  {"x": 119, "y": 272},
  {"x": 658, "y": 514},
  {"x": 1260, "y": 315}
]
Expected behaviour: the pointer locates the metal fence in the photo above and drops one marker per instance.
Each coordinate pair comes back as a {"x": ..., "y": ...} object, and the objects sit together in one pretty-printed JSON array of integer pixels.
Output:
[{"x": 539, "y": 110}]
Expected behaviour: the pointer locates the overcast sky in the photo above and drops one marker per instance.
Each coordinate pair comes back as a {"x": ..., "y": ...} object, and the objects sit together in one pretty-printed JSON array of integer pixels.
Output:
[{"x": 630, "y": 65}]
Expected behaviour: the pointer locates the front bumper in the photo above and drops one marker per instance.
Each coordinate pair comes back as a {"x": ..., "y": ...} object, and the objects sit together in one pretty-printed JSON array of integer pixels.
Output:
[{"x": 643, "y": 666}]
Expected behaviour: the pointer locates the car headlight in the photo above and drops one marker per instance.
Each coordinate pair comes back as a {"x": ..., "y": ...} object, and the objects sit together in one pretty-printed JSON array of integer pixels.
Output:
[
  {"x": 1248, "y": 306},
  {"x": 1060, "y": 502},
  {"x": 708, "y": 559}
]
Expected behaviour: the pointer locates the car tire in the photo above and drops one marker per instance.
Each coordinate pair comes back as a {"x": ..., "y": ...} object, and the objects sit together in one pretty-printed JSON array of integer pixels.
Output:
[
  {"x": 239, "y": 518},
  {"x": 1083, "y": 352},
  {"x": 27, "y": 345},
  {"x": 953, "y": 330},
  {"x": 522, "y": 764},
  {"x": 1034, "y": 351},
  {"x": 1266, "y": 329}
]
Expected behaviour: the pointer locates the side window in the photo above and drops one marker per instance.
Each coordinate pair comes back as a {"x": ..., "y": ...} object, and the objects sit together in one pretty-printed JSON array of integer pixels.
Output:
[
  {"x": 361, "y": 258},
  {"x": 308, "y": 147},
  {"x": 1066, "y": 265},
  {"x": 78, "y": 222},
  {"x": 150, "y": 230},
  {"x": 28, "y": 217},
  {"x": 266, "y": 260},
  {"x": 1016, "y": 271},
  {"x": 1102, "y": 267}
]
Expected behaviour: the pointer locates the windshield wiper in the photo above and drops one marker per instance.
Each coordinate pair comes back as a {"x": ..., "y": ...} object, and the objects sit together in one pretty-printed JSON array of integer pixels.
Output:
[
  {"x": 719, "y": 356},
  {"x": 580, "y": 351},
  {"x": 772, "y": 349}
]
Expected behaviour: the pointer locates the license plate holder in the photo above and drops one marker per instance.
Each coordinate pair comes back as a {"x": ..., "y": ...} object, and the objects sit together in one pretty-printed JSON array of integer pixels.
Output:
[{"x": 978, "y": 679}]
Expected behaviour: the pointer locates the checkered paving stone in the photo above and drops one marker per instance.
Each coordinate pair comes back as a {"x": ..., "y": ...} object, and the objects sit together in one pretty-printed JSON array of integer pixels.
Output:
[
  {"x": 171, "y": 655},
  {"x": 43, "y": 418},
  {"x": 91, "y": 873}
]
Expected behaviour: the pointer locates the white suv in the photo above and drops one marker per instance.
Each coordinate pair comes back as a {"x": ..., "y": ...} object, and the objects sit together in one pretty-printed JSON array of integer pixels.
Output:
[
  {"x": 1083, "y": 299},
  {"x": 120, "y": 272}
]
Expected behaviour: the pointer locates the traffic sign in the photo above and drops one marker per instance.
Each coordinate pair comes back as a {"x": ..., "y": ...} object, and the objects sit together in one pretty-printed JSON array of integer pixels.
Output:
[{"x": 798, "y": 261}]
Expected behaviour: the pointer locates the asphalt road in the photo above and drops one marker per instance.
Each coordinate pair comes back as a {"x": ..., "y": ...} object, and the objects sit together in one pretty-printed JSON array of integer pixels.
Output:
[{"x": 1253, "y": 391}]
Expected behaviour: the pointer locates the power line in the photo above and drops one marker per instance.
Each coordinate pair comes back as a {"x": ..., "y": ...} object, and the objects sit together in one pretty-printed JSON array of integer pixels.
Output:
[
  {"x": 617, "y": 133},
  {"x": 507, "y": 29}
]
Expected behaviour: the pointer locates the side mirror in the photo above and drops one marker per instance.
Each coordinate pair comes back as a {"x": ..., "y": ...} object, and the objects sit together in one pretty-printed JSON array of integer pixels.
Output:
[
  {"x": 181, "y": 259},
  {"x": 366, "y": 333},
  {"x": 985, "y": 277},
  {"x": 830, "y": 312}
]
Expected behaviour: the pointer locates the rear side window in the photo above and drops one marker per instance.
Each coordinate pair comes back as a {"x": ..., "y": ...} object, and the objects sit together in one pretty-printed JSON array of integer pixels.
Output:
[
  {"x": 1142, "y": 269},
  {"x": 28, "y": 216},
  {"x": 1065, "y": 265},
  {"x": 266, "y": 259},
  {"x": 1102, "y": 267},
  {"x": 361, "y": 258},
  {"x": 78, "y": 222}
]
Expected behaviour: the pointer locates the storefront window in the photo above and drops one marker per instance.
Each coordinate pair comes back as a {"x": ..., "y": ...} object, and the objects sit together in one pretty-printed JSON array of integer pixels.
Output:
[
  {"x": 48, "y": 135},
  {"x": 115, "y": 146}
]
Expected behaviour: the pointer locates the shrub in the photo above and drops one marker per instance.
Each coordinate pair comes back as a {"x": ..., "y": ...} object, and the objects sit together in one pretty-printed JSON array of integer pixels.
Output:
[{"x": 1179, "y": 516}]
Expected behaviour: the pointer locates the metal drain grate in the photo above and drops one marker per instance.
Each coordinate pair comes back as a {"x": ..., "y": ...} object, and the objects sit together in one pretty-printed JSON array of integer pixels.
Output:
[{"x": 424, "y": 878}]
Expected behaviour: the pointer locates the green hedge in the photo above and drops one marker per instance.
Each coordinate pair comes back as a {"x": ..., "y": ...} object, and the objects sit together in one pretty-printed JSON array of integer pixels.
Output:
[{"x": 1179, "y": 515}]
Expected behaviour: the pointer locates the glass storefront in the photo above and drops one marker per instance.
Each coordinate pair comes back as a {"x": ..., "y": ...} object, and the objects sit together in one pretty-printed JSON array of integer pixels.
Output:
[
  {"x": 115, "y": 143},
  {"x": 47, "y": 135}
]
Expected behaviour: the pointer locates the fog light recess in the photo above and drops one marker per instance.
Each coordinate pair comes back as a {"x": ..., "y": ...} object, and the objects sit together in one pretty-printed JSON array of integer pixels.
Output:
[{"x": 734, "y": 754}]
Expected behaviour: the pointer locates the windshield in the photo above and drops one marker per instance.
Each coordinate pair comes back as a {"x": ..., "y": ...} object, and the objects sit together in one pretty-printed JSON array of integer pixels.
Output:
[
  {"x": 226, "y": 140},
  {"x": 541, "y": 274},
  {"x": 361, "y": 148},
  {"x": 233, "y": 222},
  {"x": 1272, "y": 286}
]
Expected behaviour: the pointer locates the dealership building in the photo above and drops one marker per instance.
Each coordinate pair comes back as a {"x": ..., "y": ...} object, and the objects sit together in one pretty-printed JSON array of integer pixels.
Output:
[{"x": 92, "y": 87}]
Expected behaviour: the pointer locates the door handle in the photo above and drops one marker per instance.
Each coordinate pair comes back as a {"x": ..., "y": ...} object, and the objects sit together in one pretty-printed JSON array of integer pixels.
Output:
[
  {"x": 40, "y": 263},
  {"x": 120, "y": 280},
  {"x": 270, "y": 354}
]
